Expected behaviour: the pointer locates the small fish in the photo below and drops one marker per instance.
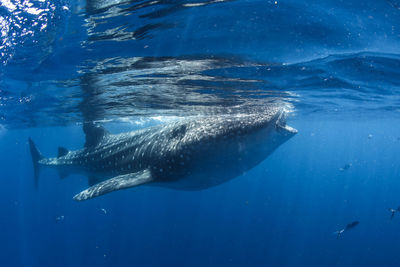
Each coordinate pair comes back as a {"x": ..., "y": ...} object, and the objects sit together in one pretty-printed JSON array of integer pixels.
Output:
[
  {"x": 393, "y": 212},
  {"x": 60, "y": 218},
  {"x": 339, "y": 233},
  {"x": 348, "y": 227},
  {"x": 346, "y": 167}
]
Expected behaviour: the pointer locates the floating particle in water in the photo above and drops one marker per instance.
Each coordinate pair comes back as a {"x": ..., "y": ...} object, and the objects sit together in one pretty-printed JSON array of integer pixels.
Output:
[
  {"x": 370, "y": 136},
  {"x": 104, "y": 210}
]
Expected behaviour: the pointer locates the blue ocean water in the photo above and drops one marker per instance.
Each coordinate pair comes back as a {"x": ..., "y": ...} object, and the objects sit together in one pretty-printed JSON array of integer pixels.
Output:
[{"x": 132, "y": 64}]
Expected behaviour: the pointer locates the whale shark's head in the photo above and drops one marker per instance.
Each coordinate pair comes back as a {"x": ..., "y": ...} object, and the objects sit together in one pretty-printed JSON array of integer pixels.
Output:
[
  {"x": 268, "y": 123},
  {"x": 259, "y": 134},
  {"x": 273, "y": 130},
  {"x": 260, "y": 131},
  {"x": 280, "y": 123}
]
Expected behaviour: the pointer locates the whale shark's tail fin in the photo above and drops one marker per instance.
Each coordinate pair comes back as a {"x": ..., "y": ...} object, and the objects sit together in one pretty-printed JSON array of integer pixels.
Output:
[{"x": 36, "y": 156}]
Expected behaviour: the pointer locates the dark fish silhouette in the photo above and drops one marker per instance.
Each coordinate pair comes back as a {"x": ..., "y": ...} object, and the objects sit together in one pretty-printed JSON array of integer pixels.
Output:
[
  {"x": 393, "y": 212},
  {"x": 346, "y": 167},
  {"x": 352, "y": 225},
  {"x": 348, "y": 227}
]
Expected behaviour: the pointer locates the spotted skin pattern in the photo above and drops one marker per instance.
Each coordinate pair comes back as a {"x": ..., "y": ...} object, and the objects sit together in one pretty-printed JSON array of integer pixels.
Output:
[{"x": 190, "y": 154}]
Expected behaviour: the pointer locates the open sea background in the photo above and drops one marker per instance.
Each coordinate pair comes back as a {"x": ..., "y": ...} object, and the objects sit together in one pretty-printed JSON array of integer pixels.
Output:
[{"x": 131, "y": 64}]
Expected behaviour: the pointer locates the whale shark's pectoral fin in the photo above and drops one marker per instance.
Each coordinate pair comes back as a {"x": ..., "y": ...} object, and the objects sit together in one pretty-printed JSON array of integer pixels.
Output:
[{"x": 116, "y": 183}]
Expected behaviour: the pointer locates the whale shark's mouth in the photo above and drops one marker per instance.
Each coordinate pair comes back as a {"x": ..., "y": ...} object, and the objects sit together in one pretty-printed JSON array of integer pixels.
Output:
[{"x": 281, "y": 123}]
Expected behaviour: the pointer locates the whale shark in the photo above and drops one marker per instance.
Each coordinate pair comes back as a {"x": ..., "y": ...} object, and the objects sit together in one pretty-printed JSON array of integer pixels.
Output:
[{"x": 188, "y": 154}]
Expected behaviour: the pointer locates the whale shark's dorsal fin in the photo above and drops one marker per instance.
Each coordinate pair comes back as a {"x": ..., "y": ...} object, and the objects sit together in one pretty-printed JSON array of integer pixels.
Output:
[
  {"x": 62, "y": 151},
  {"x": 116, "y": 183},
  {"x": 94, "y": 134}
]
